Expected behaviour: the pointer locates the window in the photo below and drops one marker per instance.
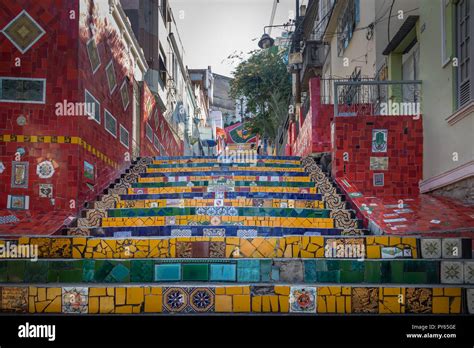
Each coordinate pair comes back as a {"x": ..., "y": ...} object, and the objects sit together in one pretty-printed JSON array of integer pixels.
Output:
[
  {"x": 93, "y": 53},
  {"x": 445, "y": 54},
  {"x": 110, "y": 72},
  {"x": 162, "y": 65},
  {"x": 110, "y": 123},
  {"x": 92, "y": 107},
  {"x": 346, "y": 25},
  {"x": 156, "y": 142},
  {"x": 464, "y": 52},
  {"x": 22, "y": 90},
  {"x": 149, "y": 132},
  {"x": 163, "y": 9},
  {"x": 124, "y": 94},
  {"x": 124, "y": 137}
]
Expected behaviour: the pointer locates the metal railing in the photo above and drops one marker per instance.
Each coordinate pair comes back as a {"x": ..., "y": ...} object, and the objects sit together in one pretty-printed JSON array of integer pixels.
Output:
[{"x": 384, "y": 98}]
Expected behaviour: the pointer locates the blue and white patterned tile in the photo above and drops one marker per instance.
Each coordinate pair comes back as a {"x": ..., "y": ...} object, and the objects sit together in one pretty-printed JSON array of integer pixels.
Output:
[
  {"x": 181, "y": 232},
  {"x": 247, "y": 233}
]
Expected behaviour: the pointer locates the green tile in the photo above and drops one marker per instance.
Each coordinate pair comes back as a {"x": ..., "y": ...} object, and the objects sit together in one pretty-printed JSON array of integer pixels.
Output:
[
  {"x": 141, "y": 271},
  {"x": 396, "y": 271},
  {"x": 196, "y": 271},
  {"x": 168, "y": 272},
  {"x": 415, "y": 278},
  {"x": 36, "y": 272},
  {"x": 351, "y": 277},
  {"x": 16, "y": 271},
  {"x": 226, "y": 272},
  {"x": 3, "y": 271},
  {"x": 266, "y": 270},
  {"x": 372, "y": 272},
  {"x": 309, "y": 271}
]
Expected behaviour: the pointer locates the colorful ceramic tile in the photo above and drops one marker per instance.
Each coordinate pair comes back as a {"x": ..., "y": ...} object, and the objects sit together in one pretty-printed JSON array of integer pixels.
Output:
[
  {"x": 14, "y": 299},
  {"x": 174, "y": 299},
  {"x": 213, "y": 232},
  {"x": 430, "y": 248},
  {"x": 181, "y": 232},
  {"x": 419, "y": 300},
  {"x": 452, "y": 272},
  {"x": 19, "y": 177},
  {"x": 168, "y": 272},
  {"x": 452, "y": 248},
  {"x": 46, "y": 190},
  {"x": 45, "y": 169},
  {"x": 469, "y": 272},
  {"x": 89, "y": 171},
  {"x": 365, "y": 300},
  {"x": 378, "y": 179},
  {"x": 379, "y": 140},
  {"x": 302, "y": 299},
  {"x": 18, "y": 202},
  {"x": 391, "y": 253},
  {"x": 223, "y": 272},
  {"x": 201, "y": 300},
  {"x": 247, "y": 233},
  {"x": 378, "y": 163},
  {"x": 195, "y": 272},
  {"x": 75, "y": 299}
]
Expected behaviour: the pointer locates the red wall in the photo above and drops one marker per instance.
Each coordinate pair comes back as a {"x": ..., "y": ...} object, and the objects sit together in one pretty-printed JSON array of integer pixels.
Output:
[
  {"x": 53, "y": 57},
  {"x": 315, "y": 133},
  {"x": 60, "y": 57},
  {"x": 404, "y": 151}
]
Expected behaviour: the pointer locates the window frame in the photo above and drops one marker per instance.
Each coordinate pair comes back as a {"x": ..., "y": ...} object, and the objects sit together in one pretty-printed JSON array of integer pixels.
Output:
[
  {"x": 148, "y": 127},
  {"x": 105, "y": 123},
  {"x": 122, "y": 128},
  {"x": 98, "y": 55},
  {"x": 111, "y": 63},
  {"x": 86, "y": 92},
  {"x": 43, "y": 101}
]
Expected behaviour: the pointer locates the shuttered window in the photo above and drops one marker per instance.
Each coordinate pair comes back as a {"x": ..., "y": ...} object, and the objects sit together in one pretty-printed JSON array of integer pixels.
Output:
[{"x": 464, "y": 52}]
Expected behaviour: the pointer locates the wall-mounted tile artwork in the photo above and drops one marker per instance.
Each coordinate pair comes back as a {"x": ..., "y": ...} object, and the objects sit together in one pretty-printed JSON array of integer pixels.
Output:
[
  {"x": 89, "y": 171},
  {"x": 19, "y": 175},
  {"x": 379, "y": 140},
  {"x": 430, "y": 248},
  {"x": 378, "y": 179},
  {"x": 18, "y": 202},
  {"x": 302, "y": 299},
  {"x": 378, "y": 163},
  {"x": 452, "y": 272},
  {"x": 452, "y": 248},
  {"x": 75, "y": 299},
  {"x": 45, "y": 170},
  {"x": 46, "y": 190}
]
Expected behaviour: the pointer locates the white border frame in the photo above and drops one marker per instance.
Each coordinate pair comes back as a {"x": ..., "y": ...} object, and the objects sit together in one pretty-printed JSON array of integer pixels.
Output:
[
  {"x": 23, "y": 51},
  {"x": 128, "y": 93},
  {"x": 146, "y": 134},
  {"x": 24, "y": 101},
  {"x": 106, "y": 76},
  {"x": 85, "y": 104},
  {"x": 98, "y": 55},
  {"x": 105, "y": 123},
  {"x": 120, "y": 136}
]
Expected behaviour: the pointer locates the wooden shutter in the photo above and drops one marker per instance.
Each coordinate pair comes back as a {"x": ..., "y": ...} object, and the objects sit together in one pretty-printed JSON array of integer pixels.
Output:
[{"x": 464, "y": 52}]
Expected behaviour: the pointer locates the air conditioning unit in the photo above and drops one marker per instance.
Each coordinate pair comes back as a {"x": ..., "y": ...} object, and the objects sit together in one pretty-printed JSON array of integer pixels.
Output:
[{"x": 313, "y": 54}]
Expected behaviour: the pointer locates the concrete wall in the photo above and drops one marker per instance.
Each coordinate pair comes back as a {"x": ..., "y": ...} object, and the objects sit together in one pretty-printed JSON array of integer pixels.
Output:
[{"x": 442, "y": 141}]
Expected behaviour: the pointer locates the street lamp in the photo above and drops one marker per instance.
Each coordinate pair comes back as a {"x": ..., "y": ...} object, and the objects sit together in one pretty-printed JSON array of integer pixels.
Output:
[{"x": 266, "y": 41}]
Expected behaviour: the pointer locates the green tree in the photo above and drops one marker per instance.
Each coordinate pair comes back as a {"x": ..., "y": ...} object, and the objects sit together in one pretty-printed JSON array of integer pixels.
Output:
[{"x": 264, "y": 81}]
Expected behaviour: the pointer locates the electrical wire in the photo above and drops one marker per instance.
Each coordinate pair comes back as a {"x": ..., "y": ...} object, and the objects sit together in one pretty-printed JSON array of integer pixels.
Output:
[{"x": 389, "y": 17}]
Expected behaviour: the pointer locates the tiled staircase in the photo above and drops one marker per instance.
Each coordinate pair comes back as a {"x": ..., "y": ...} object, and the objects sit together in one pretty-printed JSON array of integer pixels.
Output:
[{"x": 205, "y": 235}]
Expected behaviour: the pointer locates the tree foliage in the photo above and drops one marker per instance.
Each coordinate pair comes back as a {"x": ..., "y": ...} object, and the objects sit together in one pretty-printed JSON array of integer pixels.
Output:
[{"x": 263, "y": 80}]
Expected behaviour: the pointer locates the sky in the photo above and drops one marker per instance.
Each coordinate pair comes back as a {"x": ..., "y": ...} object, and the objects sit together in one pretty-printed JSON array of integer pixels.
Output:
[{"x": 211, "y": 30}]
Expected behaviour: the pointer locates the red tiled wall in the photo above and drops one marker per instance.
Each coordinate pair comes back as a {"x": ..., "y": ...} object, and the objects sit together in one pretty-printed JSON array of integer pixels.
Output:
[
  {"x": 149, "y": 107},
  {"x": 53, "y": 57},
  {"x": 404, "y": 150},
  {"x": 315, "y": 133}
]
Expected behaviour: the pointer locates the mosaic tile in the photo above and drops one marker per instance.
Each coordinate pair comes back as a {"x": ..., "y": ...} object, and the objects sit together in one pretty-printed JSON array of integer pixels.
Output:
[
  {"x": 195, "y": 272},
  {"x": 470, "y": 300},
  {"x": 452, "y": 272},
  {"x": 469, "y": 272},
  {"x": 14, "y": 299},
  {"x": 247, "y": 233},
  {"x": 452, "y": 248},
  {"x": 174, "y": 299},
  {"x": 419, "y": 300},
  {"x": 302, "y": 299},
  {"x": 202, "y": 299},
  {"x": 168, "y": 272},
  {"x": 430, "y": 248},
  {"x": 223, "y": 272},
  {"x": 75, "y": 299},
  {"x": 214, "y": 232},
  {"x": 365, "y": 300},
  {"x": 181, "y": 232}
]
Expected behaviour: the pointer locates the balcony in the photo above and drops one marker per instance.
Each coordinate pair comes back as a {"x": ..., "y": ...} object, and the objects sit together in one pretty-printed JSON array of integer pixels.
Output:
[
  {"x": 377, "y": 98},
  {"x": 313, "y": 60}
]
